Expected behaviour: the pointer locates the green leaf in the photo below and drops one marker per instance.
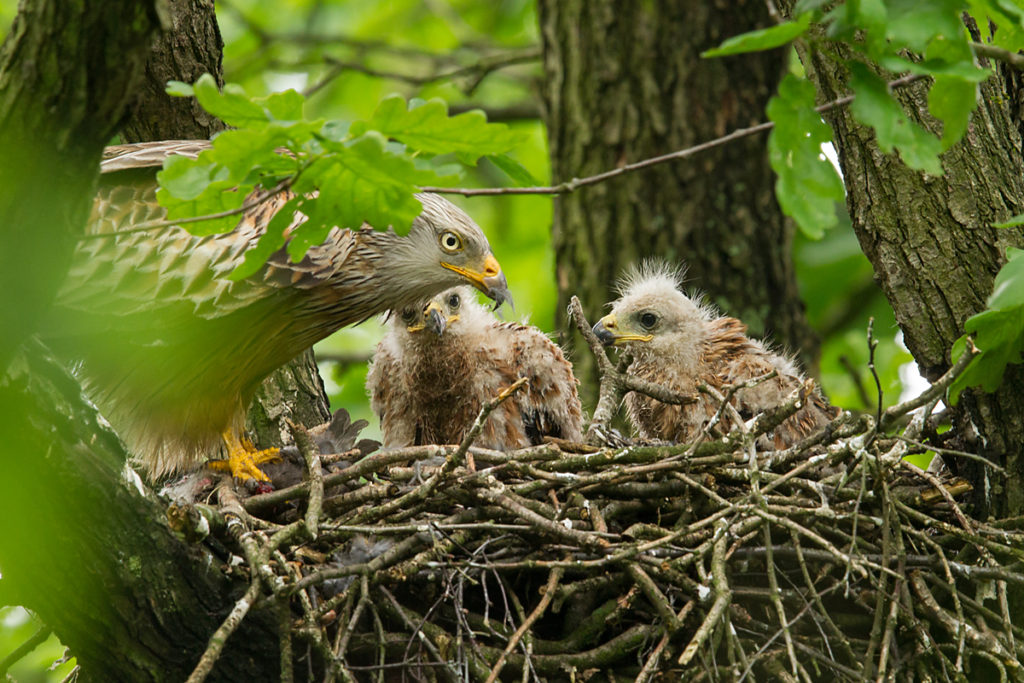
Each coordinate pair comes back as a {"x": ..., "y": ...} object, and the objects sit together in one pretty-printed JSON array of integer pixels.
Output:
[
  {"x": 361, "y": 182},
  {"x": 232, "y": 106},
  {"x": 952, "y": 100},
  {"x": 513, "y": 169},
  {"x": 284, "y": 106},
  {"x": 428, "y": 128},
  {"x": 875, "y": 107},
  {"x": 269, "y": 242},
  {"x": 914, "y": 24},
  {"x": 808, "y": 186},
  {"x": 218, "y": 197},
  {"x": 179, "y": 89},
  {"x": 1011, "y": 223},
  {"x": 186, "y": 178},
  {"x": 762, "y": 39},
  {"x": 998, "y": 330},
  {"x": 1008, "y": 288}
]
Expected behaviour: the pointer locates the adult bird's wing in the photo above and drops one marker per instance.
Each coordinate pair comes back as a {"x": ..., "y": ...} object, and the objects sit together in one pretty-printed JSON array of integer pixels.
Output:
[{"x": 167, "y": 270}]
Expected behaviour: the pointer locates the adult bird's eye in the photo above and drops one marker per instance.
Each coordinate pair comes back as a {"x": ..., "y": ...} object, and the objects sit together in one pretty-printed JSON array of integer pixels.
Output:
[
  {"x": 648, "y": 320},
  {"x": 450, "y": 242},
  {"x": 454, "y": 301}
]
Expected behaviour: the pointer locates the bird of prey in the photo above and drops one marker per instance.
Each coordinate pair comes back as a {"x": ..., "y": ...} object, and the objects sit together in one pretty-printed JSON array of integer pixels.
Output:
[
  {"x": 679, "y": 342},
  {"x": 439, "y": 362},
  {"x": 172, "y": 350}
]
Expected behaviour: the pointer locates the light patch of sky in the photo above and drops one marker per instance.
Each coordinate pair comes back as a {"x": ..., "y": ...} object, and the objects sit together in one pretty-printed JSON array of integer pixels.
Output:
[
  {"x": 910, "y": 377},
  {"x": 828, "y": 151},
  {"x": 278, "y": 81}
]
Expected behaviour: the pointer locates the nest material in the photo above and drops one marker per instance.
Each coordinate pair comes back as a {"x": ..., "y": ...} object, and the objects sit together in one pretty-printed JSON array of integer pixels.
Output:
[
  {"x": 832, "y": 560},
  {"x": 637, "y": 563}
]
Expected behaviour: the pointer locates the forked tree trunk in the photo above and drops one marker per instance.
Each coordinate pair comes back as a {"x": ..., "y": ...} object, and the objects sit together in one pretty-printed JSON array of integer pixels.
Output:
[
  {"x": 624, "y": 81},
  {"x": 935, "y": 253}
]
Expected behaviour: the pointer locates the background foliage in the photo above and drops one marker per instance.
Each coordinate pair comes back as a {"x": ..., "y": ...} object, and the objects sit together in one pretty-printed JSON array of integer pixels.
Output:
[{"x": 348, "y": 56}]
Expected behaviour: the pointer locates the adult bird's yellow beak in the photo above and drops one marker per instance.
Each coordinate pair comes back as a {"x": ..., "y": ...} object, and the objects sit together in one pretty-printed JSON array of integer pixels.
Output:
[
  {"x": 489, "y": 280},
  {"x": 608, "y": 332}
]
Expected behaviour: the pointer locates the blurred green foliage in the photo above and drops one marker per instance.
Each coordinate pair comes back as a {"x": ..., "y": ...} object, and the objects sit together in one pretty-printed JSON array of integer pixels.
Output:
[{"x": 350, "y": 55}]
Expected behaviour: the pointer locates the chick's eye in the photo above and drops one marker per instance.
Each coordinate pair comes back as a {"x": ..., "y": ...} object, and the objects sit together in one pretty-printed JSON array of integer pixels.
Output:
[
  {"x": 450, "y": 242},
  {"x": 454, "y": 301},
  {"x": 648, "y": 320},
  {"x": 407, "y": 315}
]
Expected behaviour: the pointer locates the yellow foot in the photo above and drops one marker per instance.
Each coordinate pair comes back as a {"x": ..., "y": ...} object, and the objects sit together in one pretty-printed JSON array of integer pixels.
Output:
[{"x": 243, "y": 458}]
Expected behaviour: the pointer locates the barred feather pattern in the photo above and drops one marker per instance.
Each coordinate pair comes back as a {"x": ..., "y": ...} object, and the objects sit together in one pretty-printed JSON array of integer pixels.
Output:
[
  {"x": 428, "y": 388},
  {"x": 172, "y": 350}
]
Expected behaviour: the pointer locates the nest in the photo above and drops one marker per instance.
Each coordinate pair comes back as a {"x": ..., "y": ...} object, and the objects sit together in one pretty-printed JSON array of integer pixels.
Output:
[{"x": 832, "y": 560}]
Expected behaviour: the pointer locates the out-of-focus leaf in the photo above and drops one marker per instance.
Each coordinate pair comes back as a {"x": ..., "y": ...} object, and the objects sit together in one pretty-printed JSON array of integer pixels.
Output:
[
  {"x": 808, "y": 186},
  {"x": 180, "y": 89},
  {"x": 875, "y": 107},
  {"x": 514, "y": 170},
  {"x": 218, "y": 197},
  {"x": 1011, "y": 223},
  {"x": 998, "y": 330},
  {"x": 428, "y": 128},
  {"x": 284, "y": 106},
  {"x": 232, "y": 105},
  {"x": 915, "y": 24},
  {"x": 762, "y": 39}
]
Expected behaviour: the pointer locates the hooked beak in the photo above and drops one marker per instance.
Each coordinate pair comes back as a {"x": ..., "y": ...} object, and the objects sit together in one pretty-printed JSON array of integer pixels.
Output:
[
  {"x": 491, "y": 281},
  {"x": 607, "y": 331},
  {"x": 436, "y": 321}
]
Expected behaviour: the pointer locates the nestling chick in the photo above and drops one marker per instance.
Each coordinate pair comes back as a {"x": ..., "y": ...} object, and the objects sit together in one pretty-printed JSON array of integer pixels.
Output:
[
  {"x": 679, "y": 343},
  {"x": 441, "y": 361}
]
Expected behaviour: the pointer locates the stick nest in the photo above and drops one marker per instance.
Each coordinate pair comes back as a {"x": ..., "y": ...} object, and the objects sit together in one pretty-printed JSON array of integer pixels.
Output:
[{"x": 832, "y": 560}]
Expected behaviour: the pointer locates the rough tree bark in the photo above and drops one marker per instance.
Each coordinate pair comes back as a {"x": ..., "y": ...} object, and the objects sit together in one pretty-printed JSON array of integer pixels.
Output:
[
  {"x": 624, "y": 81},
  {"x": 61, "y": 99},
  {"x": 935, "y": 253},
  {"x": 94, "y": 557},
  {"x": 190, "y": 48}
]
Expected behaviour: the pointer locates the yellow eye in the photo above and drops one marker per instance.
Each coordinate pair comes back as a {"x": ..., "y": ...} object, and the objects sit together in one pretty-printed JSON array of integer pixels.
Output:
[{"x": 450, "y": 242}]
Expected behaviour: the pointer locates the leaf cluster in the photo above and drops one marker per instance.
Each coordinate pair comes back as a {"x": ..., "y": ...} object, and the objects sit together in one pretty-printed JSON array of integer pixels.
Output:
[
  {"x": 893, "y": 36},
  {"x": 339, "y": 175}
]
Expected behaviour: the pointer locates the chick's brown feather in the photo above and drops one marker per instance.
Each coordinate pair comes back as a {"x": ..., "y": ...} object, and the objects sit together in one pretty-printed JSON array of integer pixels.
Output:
[
  {"x": 687, "y": 344},
  {"x": 428, "y": 387}
]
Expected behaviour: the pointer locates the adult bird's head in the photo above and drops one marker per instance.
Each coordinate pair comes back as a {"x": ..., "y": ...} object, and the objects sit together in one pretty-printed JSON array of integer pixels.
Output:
[
  {"x": 652, "y": 317},
  {"x": 443, "y": 235}
]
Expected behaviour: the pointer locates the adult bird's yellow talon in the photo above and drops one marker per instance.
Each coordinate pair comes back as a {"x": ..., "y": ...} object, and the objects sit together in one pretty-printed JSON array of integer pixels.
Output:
[{"x": 243, "y": 458}]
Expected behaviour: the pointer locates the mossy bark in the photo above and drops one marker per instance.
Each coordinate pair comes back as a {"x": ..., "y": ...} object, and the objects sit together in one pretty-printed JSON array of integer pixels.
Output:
[
  {"x": 624, "y": 81},
  {"x": 935, "y": 253}
]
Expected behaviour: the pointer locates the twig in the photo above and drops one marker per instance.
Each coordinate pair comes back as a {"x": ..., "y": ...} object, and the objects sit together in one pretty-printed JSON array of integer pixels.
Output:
[
  {"x": 223, "y": 632},
  {"x": 34, "y": 641},
  {"x": 311, "y": 455},
  {"x": 1014, "y": 59},
  {"x": 576, "y": 183},
  {"x": 549, "y": 592},
  {"x": 938, "y": 387}
]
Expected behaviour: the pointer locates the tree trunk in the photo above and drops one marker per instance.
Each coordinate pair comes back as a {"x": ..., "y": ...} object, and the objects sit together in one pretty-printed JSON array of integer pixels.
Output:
[
  {"x": 624, "y": 81},
  {"x": 90, "y": 553},
  {"x": 67, "y": 72},
  {"x": 935, "y": 253},
  {"x": 191, "y": 48}
]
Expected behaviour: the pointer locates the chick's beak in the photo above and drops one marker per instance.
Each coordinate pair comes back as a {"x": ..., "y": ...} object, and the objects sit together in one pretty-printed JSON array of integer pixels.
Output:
[
  {"x": 605, "y": 330},
  {"x": 434, "y": 316},
  {"x": 609, "y": 333},
  {"x": 489, "y": 280}
]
